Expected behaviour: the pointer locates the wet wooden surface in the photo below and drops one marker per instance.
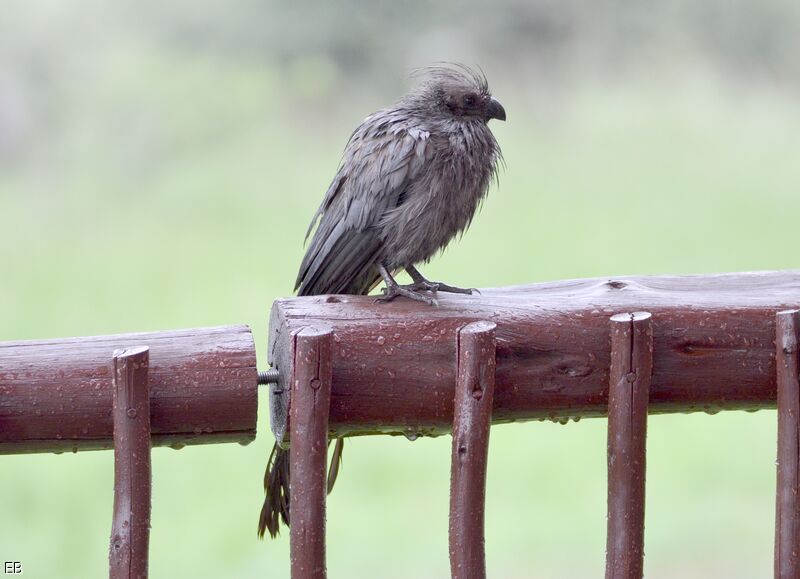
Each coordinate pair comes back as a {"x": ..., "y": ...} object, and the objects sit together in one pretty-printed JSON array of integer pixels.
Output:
[
  {"x": 787, "y": 515},
  {"x": 394, "y": 371},
  {"x": 130, "y": 529},
  {"x": 629, "y": 388},
  {"x": 470, "y": 449},
  {"x": 56, "y": 395},
  {"x": 311, "y": 398}
]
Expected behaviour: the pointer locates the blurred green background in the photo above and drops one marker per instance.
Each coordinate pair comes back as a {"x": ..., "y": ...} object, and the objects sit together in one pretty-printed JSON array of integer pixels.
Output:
[{"x": 159, "y": 164}]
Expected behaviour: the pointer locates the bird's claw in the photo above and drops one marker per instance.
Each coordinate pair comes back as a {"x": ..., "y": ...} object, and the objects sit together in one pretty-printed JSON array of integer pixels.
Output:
[
  {"x": 435, "y": 287},
  {"x": 443, "y": 287},
  {"x": 391, "y": 292},
  {"x": 425, "y": 286}
]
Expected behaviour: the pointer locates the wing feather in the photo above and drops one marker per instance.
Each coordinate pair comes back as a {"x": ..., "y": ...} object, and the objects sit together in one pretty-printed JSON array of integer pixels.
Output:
[{"x": 382, "y": 159}]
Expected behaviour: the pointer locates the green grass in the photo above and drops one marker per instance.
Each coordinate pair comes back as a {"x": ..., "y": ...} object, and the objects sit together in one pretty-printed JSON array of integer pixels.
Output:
[{"x": 181, "y": 200}]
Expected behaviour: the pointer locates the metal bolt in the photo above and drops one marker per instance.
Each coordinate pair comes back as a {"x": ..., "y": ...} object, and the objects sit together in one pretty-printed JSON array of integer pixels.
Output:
[{"x": 270, "y": 376}]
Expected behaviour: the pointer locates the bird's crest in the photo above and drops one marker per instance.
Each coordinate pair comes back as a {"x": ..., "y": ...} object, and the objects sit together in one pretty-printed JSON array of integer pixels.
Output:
[{"x": 452, "y": 73}]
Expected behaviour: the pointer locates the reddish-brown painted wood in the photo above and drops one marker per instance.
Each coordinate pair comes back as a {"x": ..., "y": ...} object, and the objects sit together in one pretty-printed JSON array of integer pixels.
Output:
[
  {"x": 629, "y": 390},
  {"x": 311, "y": 398},
  {"x": 130, "y": 529},
  {"x": 393, "y": 363},
  {"x": 787, "y": 519},
  {"x": 471, "y": 423},
  {"x": 55, "y": 395}
]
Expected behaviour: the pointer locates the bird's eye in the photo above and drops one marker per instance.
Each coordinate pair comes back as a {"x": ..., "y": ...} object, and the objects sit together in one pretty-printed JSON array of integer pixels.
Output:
[{"x": 469, "y": 99}]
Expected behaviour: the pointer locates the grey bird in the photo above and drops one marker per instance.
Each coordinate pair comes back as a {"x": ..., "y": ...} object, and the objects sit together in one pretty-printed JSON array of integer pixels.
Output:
[{"x": 412, "y": 177}]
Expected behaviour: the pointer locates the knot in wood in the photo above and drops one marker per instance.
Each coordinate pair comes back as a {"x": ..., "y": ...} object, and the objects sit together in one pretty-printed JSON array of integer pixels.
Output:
[
  {"x": 316, "y": 383},
  {"x": 631, "y": 377},
  {"x": 132, "y": 413}
]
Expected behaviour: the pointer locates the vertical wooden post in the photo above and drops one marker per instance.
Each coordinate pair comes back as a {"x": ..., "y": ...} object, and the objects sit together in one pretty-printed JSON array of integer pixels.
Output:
[
  {"x": 308, "y": 422},
  {"x": 628, "y": 396},
  {"x": 471, "y": 421},
  {"x": 787, "y": 511},
  {"x": 130, "y": 530}
]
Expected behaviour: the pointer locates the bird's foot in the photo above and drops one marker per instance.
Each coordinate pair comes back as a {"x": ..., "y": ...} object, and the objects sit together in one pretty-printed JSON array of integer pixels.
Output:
[
  {"x": 437, "y": 286},
  {"x": 422, "y": 284},
  {"x": 390, "y": 292}
]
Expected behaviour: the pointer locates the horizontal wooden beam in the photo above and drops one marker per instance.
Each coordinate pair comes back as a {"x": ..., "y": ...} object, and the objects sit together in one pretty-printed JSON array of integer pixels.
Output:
[
  {"x": 393, "y": 370},
  {"x": 56, "y": 395}
]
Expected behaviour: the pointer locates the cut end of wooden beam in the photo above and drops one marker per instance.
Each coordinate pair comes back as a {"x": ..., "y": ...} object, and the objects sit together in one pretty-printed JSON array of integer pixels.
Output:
[
  {"x": 478, "y": 327},
  {"x": 311, "y": 331},
  {"x": 130, "y": 352},
  {"x": 631, "y": 317},
  {"x": 787, "y": 323}
]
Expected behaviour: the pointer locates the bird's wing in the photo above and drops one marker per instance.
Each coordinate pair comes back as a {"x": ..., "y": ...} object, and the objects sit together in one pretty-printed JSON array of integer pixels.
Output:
[{"x": 382, "y": 159}]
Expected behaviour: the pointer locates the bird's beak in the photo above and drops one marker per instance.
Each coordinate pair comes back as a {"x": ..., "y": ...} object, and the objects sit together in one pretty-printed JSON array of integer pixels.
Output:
[{"x": 496, "y": 110}]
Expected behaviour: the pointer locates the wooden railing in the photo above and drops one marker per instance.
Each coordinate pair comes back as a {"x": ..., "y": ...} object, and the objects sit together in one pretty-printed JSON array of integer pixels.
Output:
[
  {"x": 344, "y": 365},
  {"x": 129, "y": 391},
  {"x": 621, "y": 347}
]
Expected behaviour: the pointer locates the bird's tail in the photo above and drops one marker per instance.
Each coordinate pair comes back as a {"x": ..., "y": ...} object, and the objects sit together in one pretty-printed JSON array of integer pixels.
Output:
[{"x": 277, "y": 487}]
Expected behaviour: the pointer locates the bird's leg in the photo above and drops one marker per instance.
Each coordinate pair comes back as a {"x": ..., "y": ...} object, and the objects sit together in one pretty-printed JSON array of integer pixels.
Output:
[
  {"x": 420, "y": 283},
  {"x": 393, "y": 289}
]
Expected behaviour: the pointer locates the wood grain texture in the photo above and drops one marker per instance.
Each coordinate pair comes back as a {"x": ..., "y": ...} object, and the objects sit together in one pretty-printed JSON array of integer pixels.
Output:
[
  {"x": 470, "y": 449},
  {"x": 393, "y": 363},
  {"x": 629, "y": 389},
  {"x": 55, "y": 395},
  {"x": 787, "y": 517},
  {"x": 311, "y": 398},
  {"x": 130, "y": 529}
]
